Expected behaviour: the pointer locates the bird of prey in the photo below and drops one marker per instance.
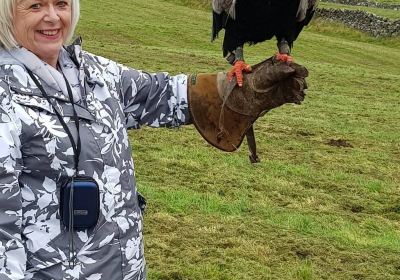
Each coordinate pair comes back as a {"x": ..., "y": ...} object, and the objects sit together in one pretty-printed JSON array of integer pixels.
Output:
[{"x": 254, "y": 21}]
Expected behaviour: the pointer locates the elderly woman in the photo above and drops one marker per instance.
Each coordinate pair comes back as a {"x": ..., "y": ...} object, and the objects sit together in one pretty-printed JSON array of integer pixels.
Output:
[{"x": 68, "y": 212}]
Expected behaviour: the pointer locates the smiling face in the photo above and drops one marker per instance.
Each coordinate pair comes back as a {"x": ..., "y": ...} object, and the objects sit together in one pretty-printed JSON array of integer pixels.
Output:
[{"x": 42, "y": 26}]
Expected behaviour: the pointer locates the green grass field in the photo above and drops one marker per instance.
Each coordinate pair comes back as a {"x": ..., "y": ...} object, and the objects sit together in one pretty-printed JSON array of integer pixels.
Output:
[{"x": 310, "y": 209}]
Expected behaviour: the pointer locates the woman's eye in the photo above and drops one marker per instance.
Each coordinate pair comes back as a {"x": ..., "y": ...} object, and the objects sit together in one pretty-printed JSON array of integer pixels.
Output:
[
  {"x": 35, "y": 6},
  {"x": 62, "y": 3}
]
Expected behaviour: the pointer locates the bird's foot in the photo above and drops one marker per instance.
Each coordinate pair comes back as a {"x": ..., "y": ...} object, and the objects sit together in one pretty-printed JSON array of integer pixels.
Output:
[
  {"x": 284, "y": 57},
  {"x": 239, "y": 67}
]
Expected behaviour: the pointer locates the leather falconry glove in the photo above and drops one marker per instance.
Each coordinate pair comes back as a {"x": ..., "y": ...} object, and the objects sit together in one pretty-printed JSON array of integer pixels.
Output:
[{"x": 223, "y": 112}]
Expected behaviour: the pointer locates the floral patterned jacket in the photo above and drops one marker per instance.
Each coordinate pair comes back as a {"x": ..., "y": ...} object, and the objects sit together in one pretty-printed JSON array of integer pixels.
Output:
[{"x": 36, "y": 158}]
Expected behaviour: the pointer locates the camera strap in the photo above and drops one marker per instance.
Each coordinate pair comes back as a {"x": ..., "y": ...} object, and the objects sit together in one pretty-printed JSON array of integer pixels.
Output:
[{"x": 76, "y": 149}]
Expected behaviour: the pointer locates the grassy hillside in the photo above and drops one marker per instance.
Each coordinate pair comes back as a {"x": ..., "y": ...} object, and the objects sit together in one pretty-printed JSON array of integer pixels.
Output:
[
  {"x": 324, "y": 203},
  {"x": 388, "y": 13},
  {"x": 207, "y": 3}
]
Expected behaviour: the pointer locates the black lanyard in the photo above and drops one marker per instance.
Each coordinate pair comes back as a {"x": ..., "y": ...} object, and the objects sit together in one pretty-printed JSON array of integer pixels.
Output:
[{"x": 75, "y": 146}]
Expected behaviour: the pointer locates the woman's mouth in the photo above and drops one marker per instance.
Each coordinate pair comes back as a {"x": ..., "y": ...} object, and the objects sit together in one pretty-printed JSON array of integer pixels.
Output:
[{"x": 49, "y": 33}]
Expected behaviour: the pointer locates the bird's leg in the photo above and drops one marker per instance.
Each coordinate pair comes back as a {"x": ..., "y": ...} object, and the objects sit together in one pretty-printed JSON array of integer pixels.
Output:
[
  {"x": 239, "y": 53},
  {"x": 239, "y": 66},
  {"x": 284, "y": 51}
]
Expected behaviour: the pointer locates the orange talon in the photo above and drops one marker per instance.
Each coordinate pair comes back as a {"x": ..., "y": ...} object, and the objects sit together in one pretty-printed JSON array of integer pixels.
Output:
[
  {"x": 284, "y": 57},
  {"x": 238, "y": 68}
]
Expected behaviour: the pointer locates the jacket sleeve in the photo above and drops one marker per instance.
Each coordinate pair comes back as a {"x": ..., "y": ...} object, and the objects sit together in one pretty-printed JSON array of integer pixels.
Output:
[
  {"x": 12, "y": 252},
  {"x": 155, "y": 100}
]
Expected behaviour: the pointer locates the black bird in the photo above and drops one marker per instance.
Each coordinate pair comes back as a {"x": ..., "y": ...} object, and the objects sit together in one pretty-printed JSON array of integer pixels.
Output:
[{"x": 254, "y": 21}]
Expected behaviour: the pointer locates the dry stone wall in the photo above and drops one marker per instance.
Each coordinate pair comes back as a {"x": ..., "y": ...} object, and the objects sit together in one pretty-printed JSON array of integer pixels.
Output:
[
  {"x": 366, "y": 4},
  {"x": 364, "y": 21}
]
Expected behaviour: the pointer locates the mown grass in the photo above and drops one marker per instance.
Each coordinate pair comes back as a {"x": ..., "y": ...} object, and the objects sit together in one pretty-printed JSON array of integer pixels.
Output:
[{"x": 310, "y": 209}]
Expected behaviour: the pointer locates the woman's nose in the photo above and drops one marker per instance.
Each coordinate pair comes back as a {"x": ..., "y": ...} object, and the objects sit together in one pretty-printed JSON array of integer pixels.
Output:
[{"x": 52, "y": 14}]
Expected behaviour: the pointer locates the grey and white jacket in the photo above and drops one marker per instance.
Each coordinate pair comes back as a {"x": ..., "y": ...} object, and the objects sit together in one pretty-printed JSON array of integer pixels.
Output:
[{"x": 36, "y": 157}]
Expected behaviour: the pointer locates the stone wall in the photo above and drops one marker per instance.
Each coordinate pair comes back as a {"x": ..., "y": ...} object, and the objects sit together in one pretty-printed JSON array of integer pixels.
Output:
[
  {"x": 364, "y": 21},
  {"x": 365, "y": 3}
]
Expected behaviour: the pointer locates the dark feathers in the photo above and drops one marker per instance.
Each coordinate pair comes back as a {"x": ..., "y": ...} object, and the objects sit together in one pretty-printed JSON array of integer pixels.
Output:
[{"x": 254, "y": 21}]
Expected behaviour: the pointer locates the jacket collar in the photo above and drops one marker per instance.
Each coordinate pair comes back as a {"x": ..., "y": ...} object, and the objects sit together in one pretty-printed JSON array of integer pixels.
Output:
[
  {"x": 87, "y": 80},
  {"x": 54, "y": 82},
  {"x": 75, "y": 51}
]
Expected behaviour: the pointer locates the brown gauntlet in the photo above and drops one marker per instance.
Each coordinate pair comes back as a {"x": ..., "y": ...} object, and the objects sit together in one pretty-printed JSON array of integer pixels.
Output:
[{"x": 223, "y": 112}]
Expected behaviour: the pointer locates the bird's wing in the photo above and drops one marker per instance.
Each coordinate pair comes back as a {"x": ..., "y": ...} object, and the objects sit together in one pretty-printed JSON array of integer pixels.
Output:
[
  {"x": 222, "y": 11},
  {"x": 227, "y": 6},
  {"x": 304, "y": 7}
]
